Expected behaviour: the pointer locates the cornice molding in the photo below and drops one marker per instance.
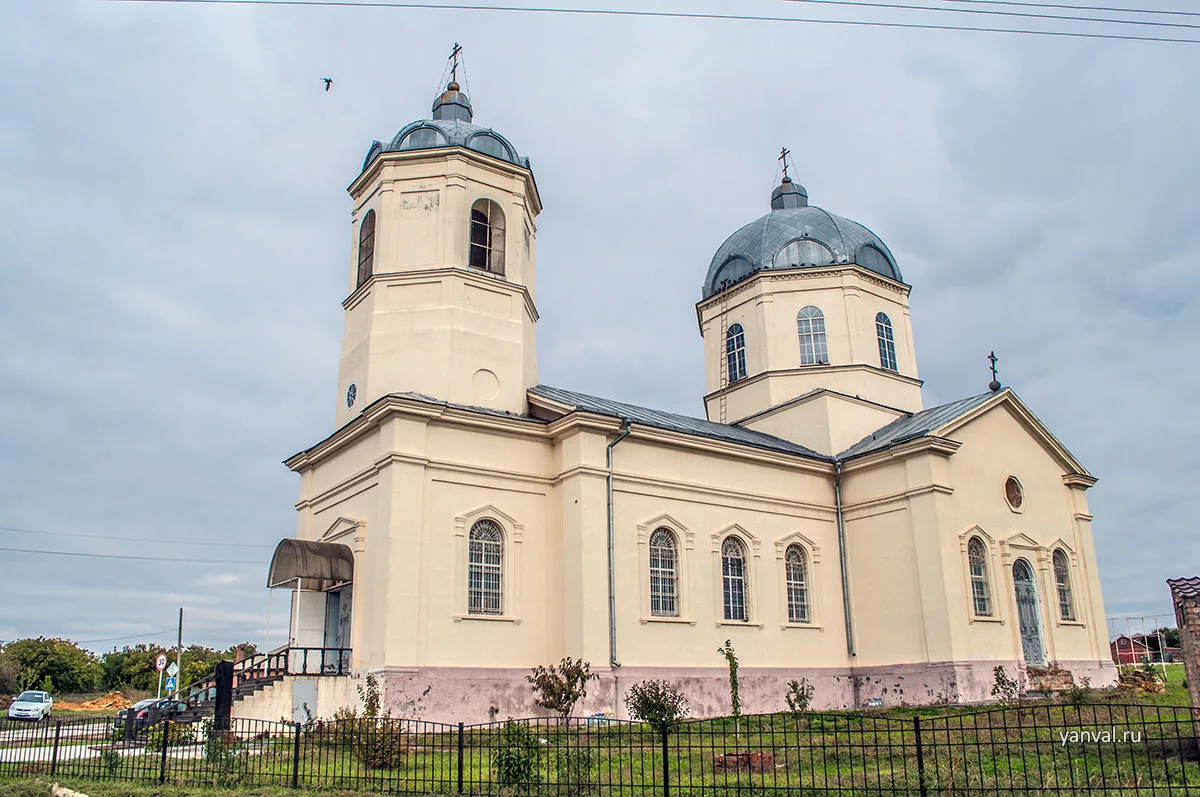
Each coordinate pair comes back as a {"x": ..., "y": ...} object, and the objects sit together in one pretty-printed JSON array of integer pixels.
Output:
[
  {"x": 474, "y": 276},
  {"x": 447, "y": 155},
  {"x": 939, "y": 446},
  {"x": 814, "y": 369}
]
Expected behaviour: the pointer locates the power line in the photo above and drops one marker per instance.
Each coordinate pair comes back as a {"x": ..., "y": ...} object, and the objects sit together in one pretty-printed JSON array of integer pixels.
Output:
[
  {"x": 980, "y": 11},
  {"x": 123, "y": 638},
  {"x": 1108, "y": 9},
  {"x": 190, "y": 559},
  {"x": 138, "y": 539},
  {"x": 608, "y": 12}
]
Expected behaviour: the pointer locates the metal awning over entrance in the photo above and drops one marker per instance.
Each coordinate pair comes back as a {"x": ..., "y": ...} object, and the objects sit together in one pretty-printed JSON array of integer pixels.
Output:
[{"x": 305, "y": 564}]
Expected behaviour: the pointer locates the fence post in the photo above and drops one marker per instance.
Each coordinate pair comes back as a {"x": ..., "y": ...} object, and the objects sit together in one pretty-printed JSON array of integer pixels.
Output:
[
  {"x": 166, "y": 741},
  {"x": 460, "y": 757},
  {"x": 920, "y": 758},
  {"x": 666, "y": 768},
  {"x": 296, "y": 759},
  {"x": 54, "y": 755}
]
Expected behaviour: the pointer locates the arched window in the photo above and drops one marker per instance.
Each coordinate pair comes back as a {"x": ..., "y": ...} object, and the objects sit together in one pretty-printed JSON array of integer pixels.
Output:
[
  {"x": 733, "y": 572},
  {"x": 485, "y": 569},
  {"x": 366, "y": 247},
  {"x": 1062, "y": 577},
  {"x": 887, "y": 342},
  {"x": 981, "y": 594},
  {"x": 803, "y": 252},
  {"x": 795, "y": 563},
  {"x": 664, "y": 579},
  {"x": 810, "y": 322},
  {"x": 490, "y": 145},
  {"x": 735, "y": 353},
  {"x": 487, "y": 237}
]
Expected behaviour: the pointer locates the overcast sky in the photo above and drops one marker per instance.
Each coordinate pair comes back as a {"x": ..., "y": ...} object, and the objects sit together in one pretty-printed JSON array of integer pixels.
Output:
[{"x": 175, "y": 234}]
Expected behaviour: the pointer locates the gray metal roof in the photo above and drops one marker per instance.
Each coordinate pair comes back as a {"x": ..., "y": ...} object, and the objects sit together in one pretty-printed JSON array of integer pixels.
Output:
[
  {"x": 450, "y": 127},
  {"x": 910, "y": 427},
  {"x": 754, "y": 246},
  {"x": 676, "y": 423}
]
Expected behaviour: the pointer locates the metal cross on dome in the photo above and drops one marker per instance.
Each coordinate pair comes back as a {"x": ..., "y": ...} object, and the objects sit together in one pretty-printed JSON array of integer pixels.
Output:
[
  {"x": 783, "y": 157},
  {"x": 994, "y": 360},
  {"x": 454, "y": 62}
]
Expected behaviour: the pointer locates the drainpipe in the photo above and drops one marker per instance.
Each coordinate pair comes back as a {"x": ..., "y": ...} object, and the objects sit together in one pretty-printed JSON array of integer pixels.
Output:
[
  {"x": 612, "y": 586},
  {"x": 841, "y": 529}
]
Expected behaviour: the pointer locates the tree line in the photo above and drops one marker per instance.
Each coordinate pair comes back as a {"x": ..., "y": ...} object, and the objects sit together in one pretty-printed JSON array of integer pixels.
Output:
[{"x": 60, "y": 666}]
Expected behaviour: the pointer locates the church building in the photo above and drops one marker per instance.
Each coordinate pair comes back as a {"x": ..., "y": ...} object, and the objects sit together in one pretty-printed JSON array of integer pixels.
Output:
[{"x": 464, "y": 522}]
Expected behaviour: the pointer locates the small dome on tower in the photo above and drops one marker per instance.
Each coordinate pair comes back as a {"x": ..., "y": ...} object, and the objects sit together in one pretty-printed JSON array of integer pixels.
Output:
[
  {"x": 450, "y": 127},
  {"x": 452, "y": 104},
  {"x": 797, "y": 235}
]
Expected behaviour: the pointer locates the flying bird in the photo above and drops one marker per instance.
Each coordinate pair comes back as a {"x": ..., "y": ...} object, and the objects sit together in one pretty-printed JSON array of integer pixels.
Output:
[{"x": 328, "y": 82}]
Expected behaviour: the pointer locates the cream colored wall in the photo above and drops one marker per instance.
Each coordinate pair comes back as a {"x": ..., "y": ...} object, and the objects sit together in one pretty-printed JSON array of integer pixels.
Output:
[
  {"x": 827, "y": 423},
  {"x": 995, "y": 446},
  {"x": 766, "y": 305},
  {"x": 426, "y": 322}
]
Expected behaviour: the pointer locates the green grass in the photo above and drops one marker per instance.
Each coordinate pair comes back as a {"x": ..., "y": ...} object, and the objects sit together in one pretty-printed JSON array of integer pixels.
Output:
[{"x": 965, "y": 750}]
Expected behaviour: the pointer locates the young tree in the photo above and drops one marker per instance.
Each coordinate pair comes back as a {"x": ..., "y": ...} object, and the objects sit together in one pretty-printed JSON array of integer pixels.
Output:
[
  {"x": 657, "y": 704},
  {"x": 731, "y": 659},
  {"x": 69, "y": 667},
  {"x": 560, "y": 688}
]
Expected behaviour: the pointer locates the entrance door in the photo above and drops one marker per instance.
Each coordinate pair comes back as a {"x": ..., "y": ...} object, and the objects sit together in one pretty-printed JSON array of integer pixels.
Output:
[
  {"x": 333, "y": 631},
  {"x": 1027, "y": 613}
]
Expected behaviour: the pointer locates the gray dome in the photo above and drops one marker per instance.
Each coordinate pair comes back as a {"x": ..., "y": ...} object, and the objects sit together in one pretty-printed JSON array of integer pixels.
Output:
[
  {"x": 450, "y": 127},
  {"x": 797, "y": 237}
]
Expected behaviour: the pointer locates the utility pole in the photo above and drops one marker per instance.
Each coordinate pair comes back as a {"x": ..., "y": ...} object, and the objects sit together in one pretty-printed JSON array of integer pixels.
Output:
[{"x": 179, "y": 656}]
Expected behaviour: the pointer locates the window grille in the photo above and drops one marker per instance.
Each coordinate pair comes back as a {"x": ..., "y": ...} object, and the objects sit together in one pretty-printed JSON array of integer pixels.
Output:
[
  {"x": 810, "y": 323},
  {"x": 980, "y": 593},
  {"x": 664, "y": 601},
  {"x": 366, "y": 248},
  {"x": 733, "y": 570},
  {"x": 735, "y": 353},
  {"x": 487, "y": 237},
  {"x": 485, "y": 569},
  {"x": 887, "y": 342},
  {"x": 795, "y": 563},
  {"x": 1062, "y": 577}
]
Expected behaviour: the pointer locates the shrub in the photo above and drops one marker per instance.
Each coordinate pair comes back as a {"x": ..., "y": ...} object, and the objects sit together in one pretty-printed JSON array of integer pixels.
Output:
[
  {"x": 799, "y": 696},
  {"x": 227, "y": 754},
  {"x": 1005, "y": 689},
  {"x": 575, "y": 767},
  {"x": 560, "y": 688},
  {"x": 379, "y": 743},
  {"x": 178, "y": 733},
  {"x": 110, "y": 760},
  {"x": 656, "y": 703},
  {"x": 1079, "y": 694},
  {"x": 731, "y": 659},
  {"x": 518, "y": 760}
]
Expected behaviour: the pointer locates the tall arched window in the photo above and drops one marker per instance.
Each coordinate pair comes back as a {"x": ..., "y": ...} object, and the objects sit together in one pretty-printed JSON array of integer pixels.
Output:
[
  {"x": 1062, "y": 577},
  {"x": 735, "y": 353},
  {"x": 981, "y": 594},
  {"x": 664, "y": 579},
  {"x": 887, "y": 342},
  {"x": 733, "y": 572},
  {"x": 366, "y": 248},
  {"x": 487, "y": 237},
  {"x": 795, "y": 563},
  {"x": 810, "y": 322},
  {"x": 485, "y": 569}
]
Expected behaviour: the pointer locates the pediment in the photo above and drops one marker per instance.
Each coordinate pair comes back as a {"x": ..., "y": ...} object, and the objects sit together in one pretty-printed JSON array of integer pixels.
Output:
[{"x": 342, "y": 527}]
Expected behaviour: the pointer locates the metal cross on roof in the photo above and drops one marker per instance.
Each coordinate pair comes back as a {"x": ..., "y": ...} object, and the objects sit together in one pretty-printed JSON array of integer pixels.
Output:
[
  {"x": 995, "y": 383},
  {"x": 783, "y": 157},
  {"x": 454, "y": 61}
]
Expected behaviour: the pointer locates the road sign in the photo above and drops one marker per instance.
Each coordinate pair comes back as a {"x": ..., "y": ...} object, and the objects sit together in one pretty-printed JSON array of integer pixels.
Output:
[
  {"x": 173, "y": 670},
  {"x": 170, "y": 684},
  {"x": 160, "y": 663}
]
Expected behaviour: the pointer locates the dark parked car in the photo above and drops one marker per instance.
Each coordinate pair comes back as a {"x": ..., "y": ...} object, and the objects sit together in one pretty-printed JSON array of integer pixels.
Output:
[{"x": 142, "y": 710}]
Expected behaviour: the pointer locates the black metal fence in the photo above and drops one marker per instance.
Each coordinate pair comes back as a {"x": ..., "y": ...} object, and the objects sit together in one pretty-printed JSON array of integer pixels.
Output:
[{"x": 1049, "y": 748}]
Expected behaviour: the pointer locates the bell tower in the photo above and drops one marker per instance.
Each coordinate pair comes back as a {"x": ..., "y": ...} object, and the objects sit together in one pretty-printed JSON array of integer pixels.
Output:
[{"x": 441, "y": 273}]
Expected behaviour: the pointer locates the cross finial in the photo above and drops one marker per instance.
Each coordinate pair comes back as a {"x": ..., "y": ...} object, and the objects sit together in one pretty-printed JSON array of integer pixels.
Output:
[
  {"x": 994, "y": 385},
  {"x": 783, "y": 158},
  {"x": 454, "y": 62}
]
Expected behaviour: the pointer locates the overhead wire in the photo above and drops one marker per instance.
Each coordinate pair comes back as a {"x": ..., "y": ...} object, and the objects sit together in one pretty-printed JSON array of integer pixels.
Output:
[
  {"x": 188, "y": 559},
  {"x": 609, "y": 12},
  {"x": 984, "y": 12},
  {"x": 1105, "y": 9},
  {"x": 81, "y": 535},
  {"x": 123, "y": 638}
]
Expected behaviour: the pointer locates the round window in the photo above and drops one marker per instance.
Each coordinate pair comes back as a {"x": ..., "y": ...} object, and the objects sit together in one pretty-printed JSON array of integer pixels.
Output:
[{"x": 1013, "y": 492}]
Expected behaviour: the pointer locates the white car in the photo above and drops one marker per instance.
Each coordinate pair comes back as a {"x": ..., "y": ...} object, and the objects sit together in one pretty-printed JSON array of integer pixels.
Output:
[{"x": 31, "y": 706}]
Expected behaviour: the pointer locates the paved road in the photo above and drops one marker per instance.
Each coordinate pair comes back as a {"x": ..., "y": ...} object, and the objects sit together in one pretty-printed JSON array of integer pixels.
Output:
[{"x": 81, "y": 752}]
